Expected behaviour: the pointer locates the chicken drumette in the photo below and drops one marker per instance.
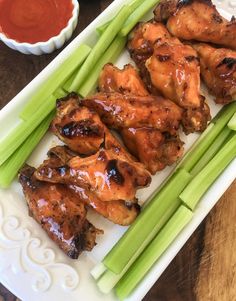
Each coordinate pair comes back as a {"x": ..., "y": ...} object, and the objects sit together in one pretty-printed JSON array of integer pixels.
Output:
[
  {"x": 172, "y": 69},
  {"x": 60, "y": 212},
  {"x": 196, "y": 20},
  {"x": 218, "y": 70},
  {"x": 152, "y": 147}
]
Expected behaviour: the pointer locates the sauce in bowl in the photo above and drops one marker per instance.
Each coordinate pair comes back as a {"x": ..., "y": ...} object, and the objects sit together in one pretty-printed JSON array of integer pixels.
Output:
[{"x": 33, "y": 21}]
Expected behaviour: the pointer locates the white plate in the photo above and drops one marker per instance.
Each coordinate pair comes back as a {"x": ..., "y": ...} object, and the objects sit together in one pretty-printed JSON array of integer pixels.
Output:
[{"x": 31, "y": 265}]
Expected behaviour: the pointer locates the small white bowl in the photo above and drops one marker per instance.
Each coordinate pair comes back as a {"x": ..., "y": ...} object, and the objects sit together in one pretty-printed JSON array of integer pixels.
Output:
[{"x": 52, "y": 44}]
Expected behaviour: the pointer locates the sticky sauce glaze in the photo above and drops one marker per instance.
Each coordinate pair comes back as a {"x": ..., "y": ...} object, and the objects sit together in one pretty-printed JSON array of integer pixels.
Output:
[{"x": 34, "y": 21}]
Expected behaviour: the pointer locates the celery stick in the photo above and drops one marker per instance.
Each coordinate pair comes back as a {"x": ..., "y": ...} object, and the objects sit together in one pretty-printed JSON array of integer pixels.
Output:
[
  {"x": 205, "y": 178},
  {"x": 17, "y": 136},
  {"x": 206, "y": 139},
  {"x": 67, "y": 84},
  {"x": 60, "y": 75},
  {"x": 133, "y": 6},
  {"x": 10, "y": 168},
  {"x": 153, "y": 252},
  {"x": 155, "y": 215},
  {"x": 99, "y": 48},
  {"x": 232, "y": 123},
  {"x": 137, "y": 15},
  {"x": 211, "y": 151},
  {"x": 110, "y": 56},
  {"x": 100, "y": 30},
  {"x": 98, "y": 270}
]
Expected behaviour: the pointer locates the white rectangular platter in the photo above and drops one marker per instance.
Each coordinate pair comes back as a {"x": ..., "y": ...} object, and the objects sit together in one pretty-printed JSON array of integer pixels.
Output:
[{"x": 31, "y": 265}]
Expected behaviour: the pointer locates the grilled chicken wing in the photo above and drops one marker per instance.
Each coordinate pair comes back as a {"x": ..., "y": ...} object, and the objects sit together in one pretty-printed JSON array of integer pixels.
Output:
[
  {"x": 218, "y": 70},
  {"x": 60, "y": 212},
  {"x": 124, "y": 81},
  {"x": 124, "y": 111},
  {"x": 142, "y": 40},
  {"x": 117, "y": 211},
  {"x": 172, "y": 69},
  {"x": 80, "y": 128},
  {"x": 153, "y": 148},
  {"x": 108, "y": 174},
  {"x": 175, "y": 71},
  {"x": 196, "y": 20}
]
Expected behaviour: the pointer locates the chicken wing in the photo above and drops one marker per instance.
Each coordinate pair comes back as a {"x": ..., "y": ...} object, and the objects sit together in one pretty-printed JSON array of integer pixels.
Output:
[
  {"x": 108, "y": 174},
  {"x": 126, "y": 111},
  {"x": 175, "y": 71},
  {"x": 218, "y": 70},
  {"x": 127, "y": 80},
  {"x": 80, "y": 128},
  {"x": 153, "y": 148},
  {"x": 196, "y": 20},
  {"x": 60, "y": 212},
  {"x": 142, "y": 40},
  {"x": 117, "y": 211}
]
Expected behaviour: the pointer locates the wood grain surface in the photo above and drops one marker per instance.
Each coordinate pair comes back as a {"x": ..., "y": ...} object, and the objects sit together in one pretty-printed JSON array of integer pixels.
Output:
[{"x": 205, "y": 269}]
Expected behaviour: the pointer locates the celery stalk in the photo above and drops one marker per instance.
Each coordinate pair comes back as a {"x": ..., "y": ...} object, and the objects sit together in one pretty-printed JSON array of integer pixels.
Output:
[
  {"x": 60, "y": 75},
  {"x": 206, "y": 139},
  {"x": 205, "y": 178},
  {"x": 136, "y": 16},
  {"x": 10, "y": 168},
  {"x": 155, "y": 215},
  {"x": 153, "y": 252},
  {"x": 100, "y": 29},
  {"x": 133, "y": 6},
  {"x": 232, "y": 123},
  {"x": 17, "y": 136},
  {"x": 67, "y": 84},
  {"x": 110, "y": 56},
  {"x": 211, "y": 151},
  {"x": 99, "y": 48}
]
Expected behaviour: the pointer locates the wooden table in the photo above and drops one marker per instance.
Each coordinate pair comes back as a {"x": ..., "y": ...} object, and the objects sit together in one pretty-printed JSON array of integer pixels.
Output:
[{"x": 205, "y": 269}]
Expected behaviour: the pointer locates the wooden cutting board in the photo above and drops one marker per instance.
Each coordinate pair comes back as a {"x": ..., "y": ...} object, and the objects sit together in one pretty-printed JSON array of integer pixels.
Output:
[{"x": 205, "y": 269}]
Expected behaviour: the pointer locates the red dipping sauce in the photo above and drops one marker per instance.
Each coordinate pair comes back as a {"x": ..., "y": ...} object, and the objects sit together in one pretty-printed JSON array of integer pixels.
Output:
[{"x": 33, "y": 21}]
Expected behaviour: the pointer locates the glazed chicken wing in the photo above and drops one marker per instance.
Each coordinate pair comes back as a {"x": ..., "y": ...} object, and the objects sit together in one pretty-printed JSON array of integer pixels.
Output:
[
  {"x": 142, "y": 40},
  {"x": 117, "y": 211},
  {"x": 60, "y": 212},
  {"x": 175, "y": 71},
  {"x": 124, "y": 111},
  {"x": 196, "y": 20},
  {"x": 108, "y": 174},
  {"x": 127, "y": 80},
  {"x": 80, "y": 128},
  {"x": 218, "y": 70},
  {"x": 153, "y": 148}
]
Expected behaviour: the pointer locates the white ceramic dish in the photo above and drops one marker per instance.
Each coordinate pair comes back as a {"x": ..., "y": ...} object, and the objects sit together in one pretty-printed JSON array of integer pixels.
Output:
[
  {"x": 52, "y": 44},
  {"x": 31, "y": 265}
]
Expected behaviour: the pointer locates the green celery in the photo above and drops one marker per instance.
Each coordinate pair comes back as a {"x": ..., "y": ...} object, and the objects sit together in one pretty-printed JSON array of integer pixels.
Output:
[
  {"x": 133, "y": 6},
  {"x": 206, "y": 139},
  {"x": 110, "y": 56},
  {"x": 232, "y": 123},
  {"x": 67, "y": 84},
  {"x": 211, "y": 151},
  {"x": 136, "y": 16},
  {"x": 155, "y": 215},
  {"x": 205, "y": 178},
  {"x": 17, "y": 136},
  {"x": 60, "y": 75},
  {"x": 100, "y": 29},
  {"x": 103, "y": 43},
  {"x": 10, "y": 168},
  {"x": 153, "y": 252}
]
